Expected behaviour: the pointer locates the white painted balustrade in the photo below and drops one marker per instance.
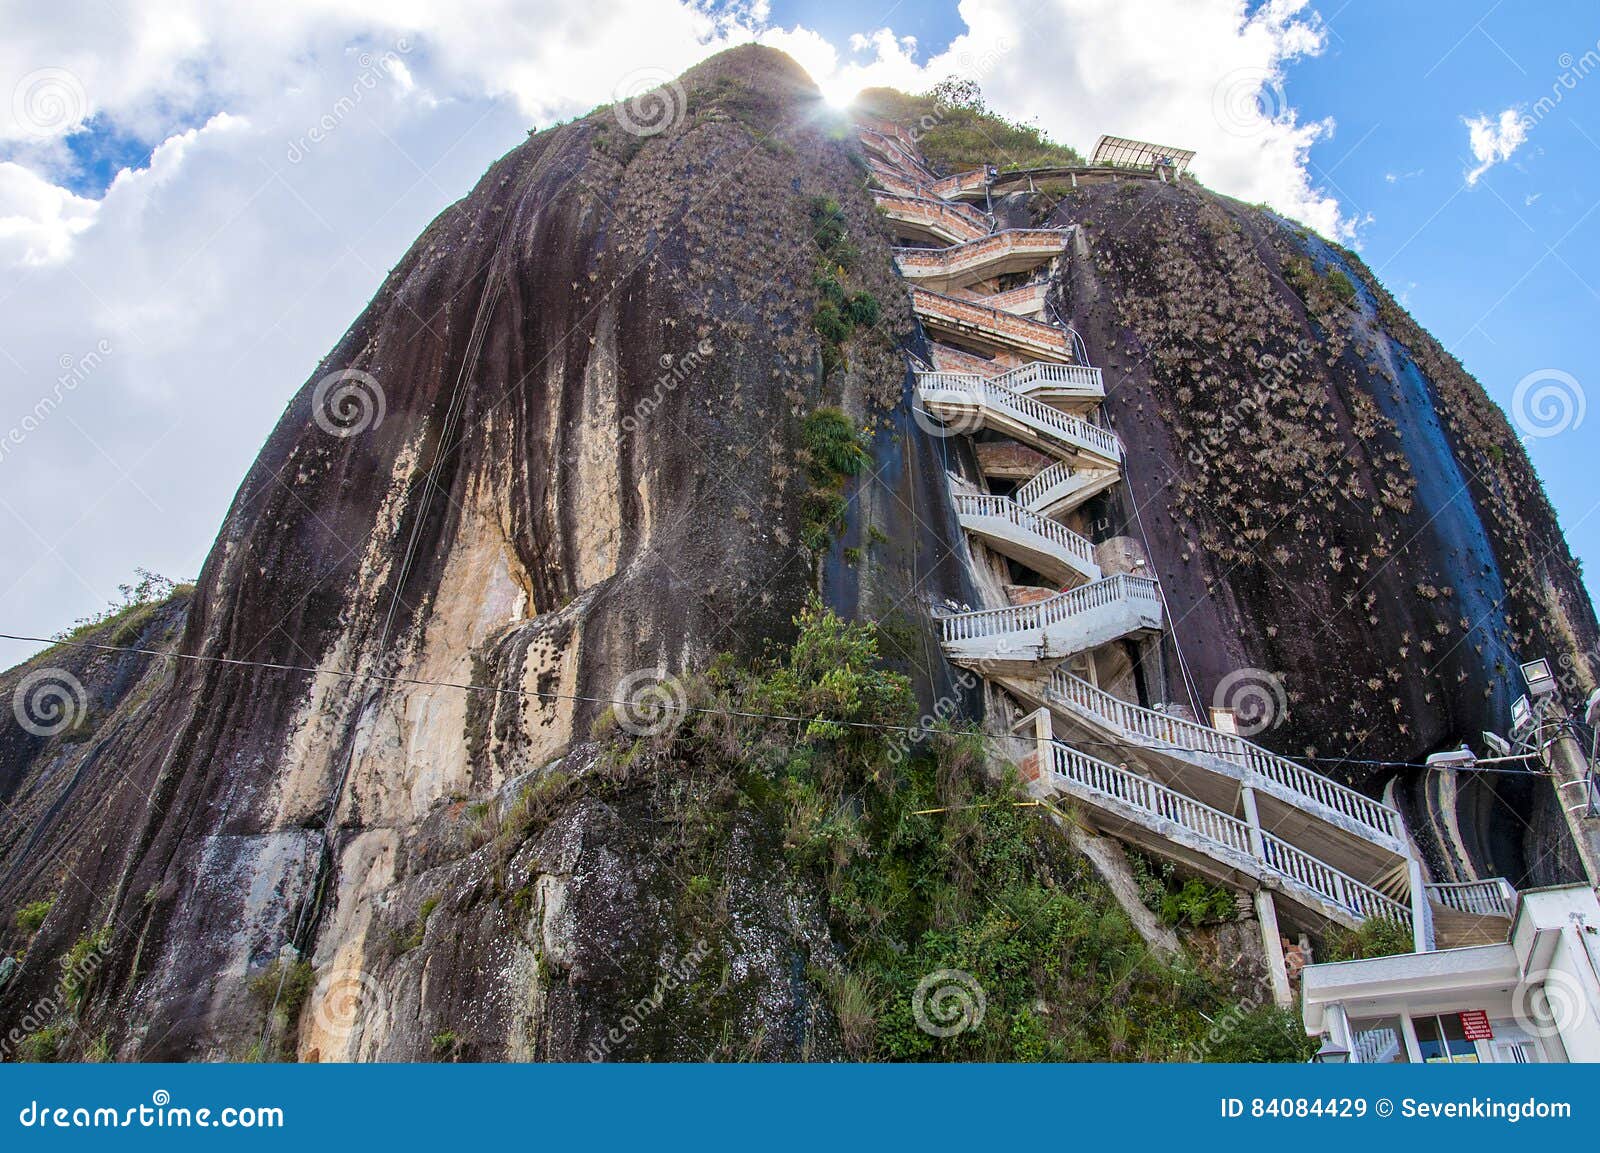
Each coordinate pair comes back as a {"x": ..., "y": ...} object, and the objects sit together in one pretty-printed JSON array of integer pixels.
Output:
[
  {"x": 1052, "y": 533},
  {"x": 1053, "y": 610},
  {"x": 976, "y": 392},
  {"x": 1164, "y": 731},
  {"x": 1494, "y": 897},
  {"x": 1027, "y": 378},
  {"x": 1221, "y": 835}
]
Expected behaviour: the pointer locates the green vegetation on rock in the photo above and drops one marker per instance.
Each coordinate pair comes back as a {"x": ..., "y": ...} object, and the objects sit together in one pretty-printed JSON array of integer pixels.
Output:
[
  {"x": 944, "y": 890},
  {"x": 1378, "y": 937},
  {"x": 957, "y": 131}
]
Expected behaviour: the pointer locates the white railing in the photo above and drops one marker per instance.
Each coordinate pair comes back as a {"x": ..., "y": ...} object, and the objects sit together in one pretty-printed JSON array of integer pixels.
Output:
[
  {"x": 1028, "y": 378},
  {"x": 982, "y": 393},
  {"x": 1095, "y": 780},
  {"x": 1494, "y": 897},
  {"x": 1057, "y": 535},
  {"x": 1323, "y": 879},
  {"x": 1156, "y": 800},
  {"x": 1285, "y": 778},
  {"x": 1034, "y": 493},
  {"x": 1052, "y": 610},
  {"x": 1377, "y": 1046}
]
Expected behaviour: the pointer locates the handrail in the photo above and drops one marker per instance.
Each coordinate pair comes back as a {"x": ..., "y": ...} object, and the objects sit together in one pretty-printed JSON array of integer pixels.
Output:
[
  {"x": 1494, "y": 897},
  {"x": 892, "y": 147},
  {"x": 1026, "y": 378},
  {"x": 1044, "y": 480},
  {"x": 1052, "y": 610},
  {"x": 981, "y": 392},
  {"x": 1024, "y": 300},
  {"x": 1008, "y": 510},
  {"x": 1322, "y": 878},
  {"x": 1150, "y": 796},
  {"x": 1178, "y": 734},
  {"x": 960, "y": 182},
  {"x": 1099, "y": 778}
]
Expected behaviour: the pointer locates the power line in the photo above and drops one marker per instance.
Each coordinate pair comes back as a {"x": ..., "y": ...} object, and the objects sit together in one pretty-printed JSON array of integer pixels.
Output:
[{"x": 669, "y": 706}]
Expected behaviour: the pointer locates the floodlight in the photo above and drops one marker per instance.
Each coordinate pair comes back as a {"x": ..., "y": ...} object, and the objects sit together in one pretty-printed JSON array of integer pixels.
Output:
[
  {"x": 1497, "y": 744},
  {"x": 1541, "y": 681}
]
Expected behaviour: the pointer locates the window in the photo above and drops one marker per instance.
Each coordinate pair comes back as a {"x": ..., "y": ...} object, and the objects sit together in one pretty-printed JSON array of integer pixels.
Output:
[
  {"x": 1378, "y": 1041},
  {"x": 1442, "y": 1040}
]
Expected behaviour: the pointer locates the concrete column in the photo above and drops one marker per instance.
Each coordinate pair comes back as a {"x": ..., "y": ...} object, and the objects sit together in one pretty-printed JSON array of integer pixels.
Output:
[
  {"x": 1339, "y": 1029},
  {"x": 1033, "y": 762},
  {"x": 1421, "y": 911},
  {"x": 1272, "y": 945},
  {"x": 1252, "y": 816},
  {"x": 1569, "y": 773}
]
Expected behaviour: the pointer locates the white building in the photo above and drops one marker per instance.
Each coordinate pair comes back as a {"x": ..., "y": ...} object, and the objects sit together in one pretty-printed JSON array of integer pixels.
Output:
[{"x": 1534, "y": 998}]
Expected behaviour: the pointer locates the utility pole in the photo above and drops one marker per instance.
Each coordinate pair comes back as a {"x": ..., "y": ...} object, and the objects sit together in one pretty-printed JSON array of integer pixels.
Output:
[{"x": 1570, "y": 774}]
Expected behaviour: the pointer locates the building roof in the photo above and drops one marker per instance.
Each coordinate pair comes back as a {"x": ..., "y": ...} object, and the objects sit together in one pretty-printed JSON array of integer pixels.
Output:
[{"x": 1124, "y": 153}]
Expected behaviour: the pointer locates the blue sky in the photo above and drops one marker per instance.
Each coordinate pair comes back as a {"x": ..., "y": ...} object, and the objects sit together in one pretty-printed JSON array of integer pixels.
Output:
[{"x": 153, "y": 201}]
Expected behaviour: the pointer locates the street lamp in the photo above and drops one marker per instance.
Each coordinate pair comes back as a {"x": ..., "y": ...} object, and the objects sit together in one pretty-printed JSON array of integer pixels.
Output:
[{"x": 1330, "y": 1053}]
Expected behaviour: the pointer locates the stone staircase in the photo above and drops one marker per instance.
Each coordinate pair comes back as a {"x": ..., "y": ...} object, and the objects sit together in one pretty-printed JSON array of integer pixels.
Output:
[
  {"x": 1044, "y": 545},
  {"x": 1010, "y": 373},
  {"x": 958, "y": 265},
  {"x": 1469, "y": 913},
  {"x": 1030, "y": 637},
  {"x": 974, "y": 403},
  {"x": 1214, "y": 843}
]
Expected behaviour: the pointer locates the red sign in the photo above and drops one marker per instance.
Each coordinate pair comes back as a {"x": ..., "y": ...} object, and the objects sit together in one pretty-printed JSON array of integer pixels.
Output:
[{"x": 1475, "y": 1023}]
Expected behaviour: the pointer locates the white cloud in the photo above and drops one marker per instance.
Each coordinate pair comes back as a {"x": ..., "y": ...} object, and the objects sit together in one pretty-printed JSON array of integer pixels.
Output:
[
  {"x": 1493, "y": 140},
  {"x": 290, "y": 167},
  {"x": 38, "y": 220},
  {"x": 1204, "y": 74}
]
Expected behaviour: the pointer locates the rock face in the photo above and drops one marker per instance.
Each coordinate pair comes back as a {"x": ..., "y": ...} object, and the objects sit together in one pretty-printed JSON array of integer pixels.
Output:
[
  {"x": 562, "y": 452},
  {"x": 1333, "y": 506}
]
